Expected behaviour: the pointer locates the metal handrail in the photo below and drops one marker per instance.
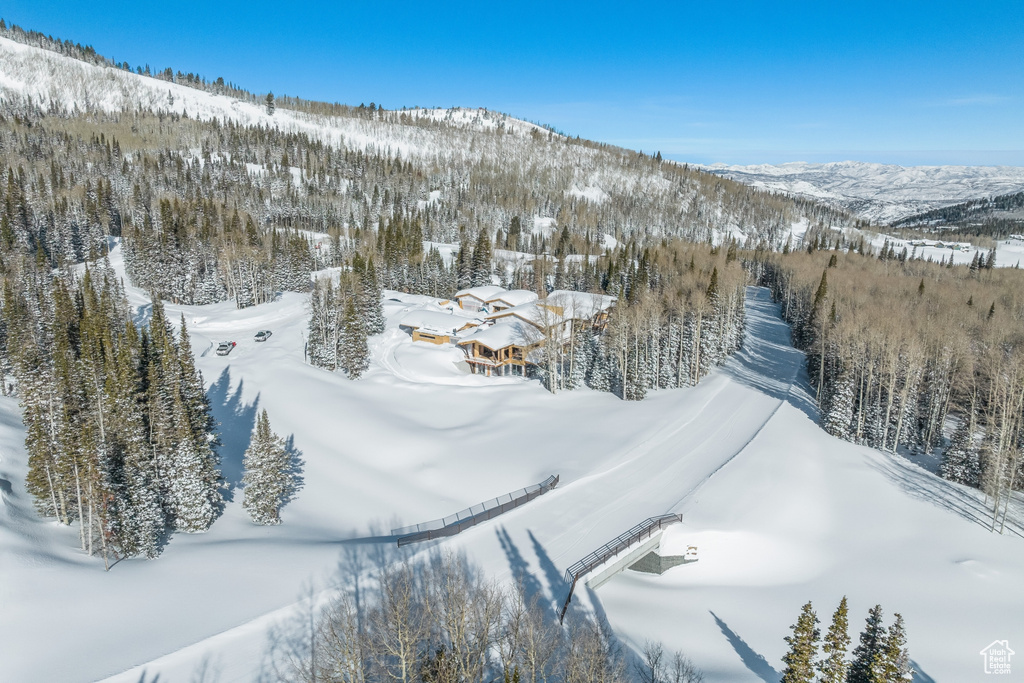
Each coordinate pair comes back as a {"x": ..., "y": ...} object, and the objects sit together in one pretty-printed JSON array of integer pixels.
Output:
[
  {"x": 471, "y": 516},
  {"x": 641, "y": 531}
]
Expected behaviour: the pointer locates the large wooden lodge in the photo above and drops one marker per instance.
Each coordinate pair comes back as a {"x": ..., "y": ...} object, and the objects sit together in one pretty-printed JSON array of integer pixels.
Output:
[{"x": 501, "y": 331}]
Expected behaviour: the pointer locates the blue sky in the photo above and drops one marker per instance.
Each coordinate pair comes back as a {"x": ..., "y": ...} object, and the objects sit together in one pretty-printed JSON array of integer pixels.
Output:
[{"x": 738, "y": 82}]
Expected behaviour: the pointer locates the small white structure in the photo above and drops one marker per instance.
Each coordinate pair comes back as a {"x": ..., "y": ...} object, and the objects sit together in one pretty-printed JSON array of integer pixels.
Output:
[
  {"x": 436, "y": 327},
  {"x": 510, "y": 299},
  {"x": 581, "y": 306},
  {"x": 534, "y": 313},
  {"x": 476, "y": 298}
]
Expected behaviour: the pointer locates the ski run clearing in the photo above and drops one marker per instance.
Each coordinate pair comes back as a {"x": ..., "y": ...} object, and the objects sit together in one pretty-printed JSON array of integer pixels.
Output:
[{"x": 781, "y": 513}]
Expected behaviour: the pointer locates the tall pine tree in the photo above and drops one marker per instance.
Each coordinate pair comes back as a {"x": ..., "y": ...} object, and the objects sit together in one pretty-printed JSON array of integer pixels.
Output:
[
  {"x": 832, "y": 669},
  {"x": 353, "y": 353},
  {"x": 803, "y": 648},
  {"x": 891, "y": 663},
  {"x": 480, "y": 271},
  {"x": 872, "y": 640},
  {"x": 267, "y": 480}
]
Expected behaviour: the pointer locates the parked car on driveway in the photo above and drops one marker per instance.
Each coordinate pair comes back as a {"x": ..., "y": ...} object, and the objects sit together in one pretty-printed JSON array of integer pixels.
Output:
[
  {"x": 225, "y": 348},
  {"x": 263, "y": 335}
]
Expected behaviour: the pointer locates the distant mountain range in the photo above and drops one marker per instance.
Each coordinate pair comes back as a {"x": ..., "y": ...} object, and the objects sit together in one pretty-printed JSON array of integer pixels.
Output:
[
  {"x": 997, "y": 217},
  {"x": 881, "y": 193}
]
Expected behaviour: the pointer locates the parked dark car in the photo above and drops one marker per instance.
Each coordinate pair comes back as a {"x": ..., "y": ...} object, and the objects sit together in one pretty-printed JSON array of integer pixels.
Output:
[{"x": 263, "y": 335}]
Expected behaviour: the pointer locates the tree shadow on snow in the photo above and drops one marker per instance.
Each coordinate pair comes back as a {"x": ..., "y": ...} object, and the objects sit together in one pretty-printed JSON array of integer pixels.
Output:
[
  {"x": 921, "y": 484},
  {"x": 532, "y": 589},
  {"x": 919, "y": 675},
  {"x": 757, "y": 664},
  {"x": 235, "y": 420},
  {"x": 294, "y": 470},
  {"x": 206, "y": 671},
  {"x": 556, "y": 579},
  {"x": 291, "y": 642},
  {"x": 768, "y": 362}
]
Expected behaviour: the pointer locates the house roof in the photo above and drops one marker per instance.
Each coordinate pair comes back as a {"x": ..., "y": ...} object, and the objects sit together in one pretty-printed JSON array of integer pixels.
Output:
[
  {"x": 484, "y": 293},
  {"x": 531, "y": 312},
  {"x": 514, "y": 297},
  {"x": 436, "y": 321},
  {"x": 579, "y": 305},
  {"x": 501, "y": 335}
]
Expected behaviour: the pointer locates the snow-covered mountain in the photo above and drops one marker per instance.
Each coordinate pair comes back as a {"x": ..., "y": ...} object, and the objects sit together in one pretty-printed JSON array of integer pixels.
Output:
[
  {"x": 881, "y": 193},
  {"x": 57, "y": 81},
  {"x": 530, "y": 168}
]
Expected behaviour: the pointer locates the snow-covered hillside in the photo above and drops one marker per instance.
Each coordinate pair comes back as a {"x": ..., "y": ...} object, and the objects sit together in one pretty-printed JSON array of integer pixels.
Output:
[
  {"x": 50, "y": 79},
  {"x": 551, "y": 177},
  {"x": 881, "y": 193},
  {"x": 781, "y": 513}
]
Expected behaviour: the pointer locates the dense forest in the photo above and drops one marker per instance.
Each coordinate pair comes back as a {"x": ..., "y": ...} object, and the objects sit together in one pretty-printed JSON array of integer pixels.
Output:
[
  {"x": 119, "y": 432},
  {"x": 994, "y": 217},
  {"x": 910, "y": 354}
]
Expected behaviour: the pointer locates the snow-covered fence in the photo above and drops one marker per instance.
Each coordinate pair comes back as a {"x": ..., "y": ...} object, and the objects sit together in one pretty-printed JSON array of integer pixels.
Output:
[
  {"x": 640, "y": 532},
  {"x": 471, "y": 516}
]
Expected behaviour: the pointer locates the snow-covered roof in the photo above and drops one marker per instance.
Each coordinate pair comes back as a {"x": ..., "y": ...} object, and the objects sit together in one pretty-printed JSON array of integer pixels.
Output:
[
  {"x": 531, "y": 312},
  {"x": 579, "y": 305},
  {"x": 514, "y": 333},
  {"x": 484, "y": 293},
  {"x": 436, "y": 321},
  {"x": 514, "y": 297}
]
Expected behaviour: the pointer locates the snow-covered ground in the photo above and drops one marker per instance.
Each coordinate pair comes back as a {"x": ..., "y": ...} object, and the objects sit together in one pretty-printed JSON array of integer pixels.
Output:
[
  {"x": 881, "y": 193},
  {"x": 1009, "y": 253},
  {"x": 781, "y": 513},
  {"x": 51, "y": 79}
]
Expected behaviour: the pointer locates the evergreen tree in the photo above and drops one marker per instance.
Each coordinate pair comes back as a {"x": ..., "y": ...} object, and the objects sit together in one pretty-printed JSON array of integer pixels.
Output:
[
  {"x": 872, "y": 641},
  {"x": 353, "y": 353},
  {"x": 464, "y": 261},
  {"x": 990, "y": 262},
  {"x": 803, "y": 648},
  {"x": 194, "y": 484},
  {"x": 891, "y": 663},
  {"x": 182, "y": 431},
  {"x": 139, "y": 524},
  {"x": 196, "y": 403},
  {"x": 838, "y": 409},
  {"x": 271, "y": 107},
  {"x": 480, "y": 272},
  {"x": 961, "y": 460},
  {"x": 267, "y": 480},
  {"x": 322, "y": 343},
  {"x": 832, "y": 669},
  {"x": 600, "y": 371},
  {"x": 515, "y": 231},
  {"x": 370, "y": 307}
]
